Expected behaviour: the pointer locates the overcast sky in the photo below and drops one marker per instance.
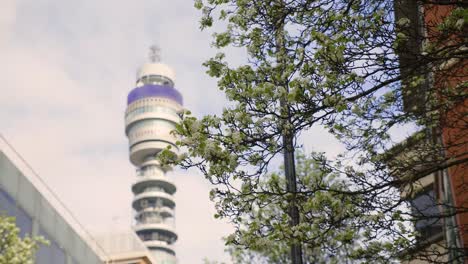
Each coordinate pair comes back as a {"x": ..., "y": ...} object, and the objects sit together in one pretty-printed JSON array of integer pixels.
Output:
[{"x": 66, "y": 69}]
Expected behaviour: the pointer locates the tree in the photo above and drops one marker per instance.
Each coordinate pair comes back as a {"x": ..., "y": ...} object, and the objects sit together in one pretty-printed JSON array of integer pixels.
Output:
[
  {"x": 261, "y": 236},
  {"x": 337, "y": 64},
  {"x": 13, "y": 248}
]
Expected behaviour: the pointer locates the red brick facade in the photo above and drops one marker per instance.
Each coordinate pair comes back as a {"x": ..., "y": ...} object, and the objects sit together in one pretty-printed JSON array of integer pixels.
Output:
[{"x": 454, "y": 119}]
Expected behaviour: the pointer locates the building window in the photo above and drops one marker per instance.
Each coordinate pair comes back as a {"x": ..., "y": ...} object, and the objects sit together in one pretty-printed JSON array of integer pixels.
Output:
[
  {"x": 156, "y": 80},
  {"x": 50, "y": 254},
  {"x": 24, "y": 222},
  {"x": 9, "y": 207},
  {"x": 426, "y": 213},
  {"x": 7, "y": 204}
]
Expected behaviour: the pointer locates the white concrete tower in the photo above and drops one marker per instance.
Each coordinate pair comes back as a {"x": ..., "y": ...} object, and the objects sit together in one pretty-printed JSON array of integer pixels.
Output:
[{"x": 151, "y": 114}]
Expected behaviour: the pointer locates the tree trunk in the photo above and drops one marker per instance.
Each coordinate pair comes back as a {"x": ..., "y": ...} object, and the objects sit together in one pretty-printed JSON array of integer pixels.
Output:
[{"x": 287, "y": 134}]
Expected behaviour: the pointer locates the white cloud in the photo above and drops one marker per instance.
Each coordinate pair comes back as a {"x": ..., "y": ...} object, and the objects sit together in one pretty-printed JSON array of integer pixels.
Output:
[
  {"x": 7, "y": 19},
  {"x": 67, "y": 68}
]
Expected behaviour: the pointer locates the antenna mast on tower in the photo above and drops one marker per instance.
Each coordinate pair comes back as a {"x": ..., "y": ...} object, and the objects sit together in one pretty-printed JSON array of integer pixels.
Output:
[{"x": 154, "y": 54}]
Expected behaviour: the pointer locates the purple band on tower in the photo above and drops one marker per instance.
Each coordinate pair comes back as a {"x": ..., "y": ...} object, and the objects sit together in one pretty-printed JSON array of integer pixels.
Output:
[{"x": 150, "y": 90}]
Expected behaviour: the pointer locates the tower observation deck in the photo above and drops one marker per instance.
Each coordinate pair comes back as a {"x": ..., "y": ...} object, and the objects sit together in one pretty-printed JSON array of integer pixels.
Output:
[{"x": 151, "y": 115}]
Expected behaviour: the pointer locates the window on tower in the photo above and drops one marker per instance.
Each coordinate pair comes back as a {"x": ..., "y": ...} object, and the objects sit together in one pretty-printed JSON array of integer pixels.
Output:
[
  {"x": 156, "y": 80},
  {"x": 153, "y": 109}
]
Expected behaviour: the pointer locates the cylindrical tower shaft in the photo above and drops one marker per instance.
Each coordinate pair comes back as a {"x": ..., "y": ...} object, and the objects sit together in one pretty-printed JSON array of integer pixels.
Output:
[{"x": 150, "y": 117}]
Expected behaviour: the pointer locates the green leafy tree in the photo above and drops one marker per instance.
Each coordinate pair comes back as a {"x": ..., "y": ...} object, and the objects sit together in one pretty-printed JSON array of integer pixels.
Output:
[
  {"x": 13, "y": 248},
  {"x": 348, "y": 67},
  {"x": 327, "y": 237}
]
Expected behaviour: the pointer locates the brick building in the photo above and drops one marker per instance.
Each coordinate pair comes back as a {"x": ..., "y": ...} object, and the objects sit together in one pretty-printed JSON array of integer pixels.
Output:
[{"x": 445, "y": 73}]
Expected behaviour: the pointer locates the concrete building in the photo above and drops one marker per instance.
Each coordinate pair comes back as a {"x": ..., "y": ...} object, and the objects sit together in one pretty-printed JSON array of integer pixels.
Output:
[
  {"x": 125, "y": 248},
  {"x": 38, "y": 212},
  {"x": 151, "y": 115},
  {"x": 422, "y": 196}
]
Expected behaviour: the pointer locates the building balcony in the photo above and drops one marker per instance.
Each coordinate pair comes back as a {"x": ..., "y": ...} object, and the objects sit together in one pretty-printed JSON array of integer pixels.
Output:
[
  {"x": 149, "y": 181},
  {"x": 152, "y": 167},
  {"x": 164, "y": 229},
  {"x": 157, "y": 244},
  {"x": 142, "y": 150},
  {"x": 164, "y": 211},
  {"x": 167, "y": 199}
]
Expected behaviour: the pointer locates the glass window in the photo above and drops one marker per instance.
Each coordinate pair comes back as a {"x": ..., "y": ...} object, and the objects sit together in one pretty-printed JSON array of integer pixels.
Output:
[
  {"x": 24, "y": 222},
  {"x": 8, "y": 207},
  {"x": 150, "y": 170},
  {"x": 7, "y": 203},
  {"x": 44, "y": 254},
  {"x": 424, "y": 207},
  {"x": 145, "y": 236},
  {"x": 157, "y": 80},
  {"x": 156, "y": 236},
  {"x": 159, "y": 202},
  {"x": 50, "y": 254},
  {"x": 153, "y": 189},
  {"x": 58, "y": 255},
  {"x": 152, "y": 218},
  {"x": 146, "y": 109},
  {"x": 148, "y": 123},
  {"x": 73, "y": 261}
]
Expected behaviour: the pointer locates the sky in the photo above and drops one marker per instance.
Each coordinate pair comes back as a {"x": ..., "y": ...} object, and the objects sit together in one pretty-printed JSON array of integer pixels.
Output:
[{"x": 67, "y": 67}]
